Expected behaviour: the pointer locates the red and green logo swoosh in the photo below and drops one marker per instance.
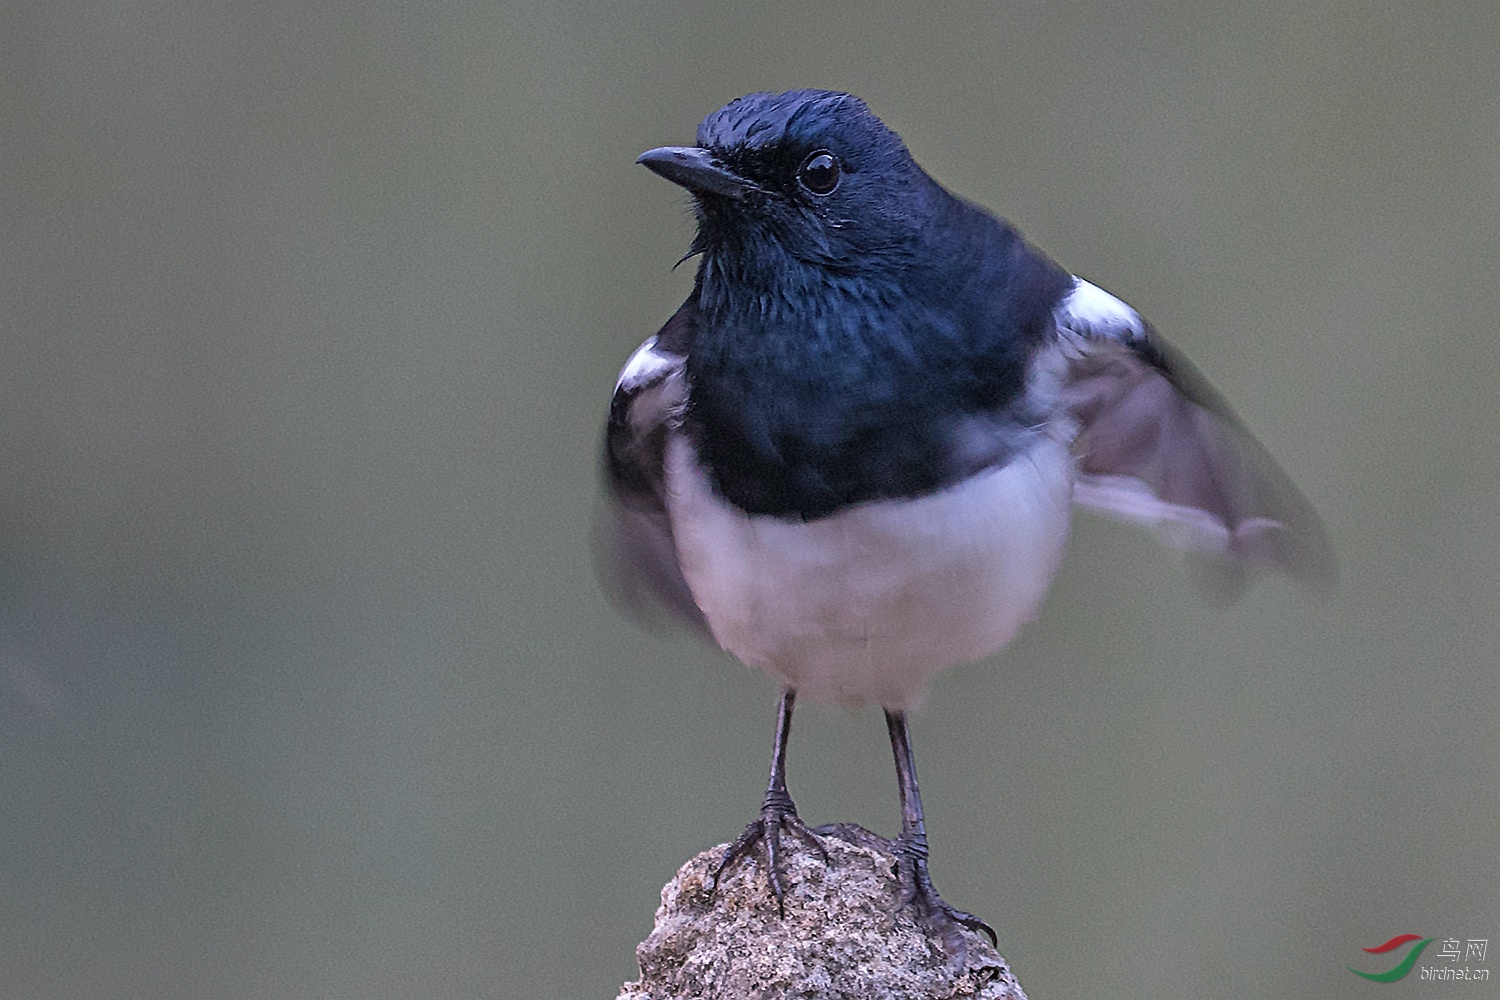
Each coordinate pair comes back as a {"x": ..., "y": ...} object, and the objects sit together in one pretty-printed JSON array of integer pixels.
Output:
[{"x": 1403, "y": 967}]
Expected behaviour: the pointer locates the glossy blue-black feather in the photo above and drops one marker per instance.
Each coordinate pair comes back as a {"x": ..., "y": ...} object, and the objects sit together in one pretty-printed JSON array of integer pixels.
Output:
[{"x": 840, "y": 340}]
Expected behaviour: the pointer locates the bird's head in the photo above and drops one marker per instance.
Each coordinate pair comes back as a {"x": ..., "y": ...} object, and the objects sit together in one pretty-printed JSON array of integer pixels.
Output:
[{"x": 808, "y": 175}]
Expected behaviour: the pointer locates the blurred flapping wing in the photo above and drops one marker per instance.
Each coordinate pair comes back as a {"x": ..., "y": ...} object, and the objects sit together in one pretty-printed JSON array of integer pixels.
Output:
[
  {"x": 636, "y": 555},
  {"x": 1158, "y": 446}
]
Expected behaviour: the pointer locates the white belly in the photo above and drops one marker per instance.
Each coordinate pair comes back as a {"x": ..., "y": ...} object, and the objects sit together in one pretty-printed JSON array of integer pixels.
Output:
[{"x": 869, "y": 604}]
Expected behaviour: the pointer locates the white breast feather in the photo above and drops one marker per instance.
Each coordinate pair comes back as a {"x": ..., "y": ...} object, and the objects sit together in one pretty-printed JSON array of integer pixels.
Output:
[{"x": 868, "y": 604}]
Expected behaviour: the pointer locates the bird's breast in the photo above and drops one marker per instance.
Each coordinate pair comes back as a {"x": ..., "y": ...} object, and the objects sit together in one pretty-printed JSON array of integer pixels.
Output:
[
  {"x": 868, "y": 603},
  {"x": 802, "y": 405}
]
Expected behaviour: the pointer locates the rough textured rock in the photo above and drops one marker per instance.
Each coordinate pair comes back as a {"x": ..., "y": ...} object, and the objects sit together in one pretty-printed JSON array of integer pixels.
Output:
[{"x": 843, "y": 936}]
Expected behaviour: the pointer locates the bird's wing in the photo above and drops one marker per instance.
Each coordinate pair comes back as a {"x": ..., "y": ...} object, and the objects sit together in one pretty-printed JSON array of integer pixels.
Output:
[
  {"x": 636, "y": 554},
  {"x": 1157, "y": 445}
]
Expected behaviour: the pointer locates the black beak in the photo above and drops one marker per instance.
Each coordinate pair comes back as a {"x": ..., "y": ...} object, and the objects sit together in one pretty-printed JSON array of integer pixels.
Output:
[{"x": 696, "y": 169}]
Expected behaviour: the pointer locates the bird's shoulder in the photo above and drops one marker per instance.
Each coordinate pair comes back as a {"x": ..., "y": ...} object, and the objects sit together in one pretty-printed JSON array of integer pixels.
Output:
[
  {"x": 649, "y": 396},
  {"x": 1097, "y": 330},
  {"x": 659, "y": 357},
  {"x": 635, "y": 548}
]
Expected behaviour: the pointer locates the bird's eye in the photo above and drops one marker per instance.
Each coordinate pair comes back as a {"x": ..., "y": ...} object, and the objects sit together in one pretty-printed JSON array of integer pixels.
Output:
[{"x": 819, "y": 173}]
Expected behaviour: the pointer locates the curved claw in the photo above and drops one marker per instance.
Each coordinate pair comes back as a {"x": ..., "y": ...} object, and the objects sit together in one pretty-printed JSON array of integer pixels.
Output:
[
  {"x": 773, "y": 819},
  {"x": 943, "y": 914},
  {"x": 933, "y": 913}
]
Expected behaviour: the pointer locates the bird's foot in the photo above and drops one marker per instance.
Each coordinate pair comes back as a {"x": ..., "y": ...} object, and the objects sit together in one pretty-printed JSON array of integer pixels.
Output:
[
  {"x": 933, "y": 914},
  {"x": 776, "y": 814}
]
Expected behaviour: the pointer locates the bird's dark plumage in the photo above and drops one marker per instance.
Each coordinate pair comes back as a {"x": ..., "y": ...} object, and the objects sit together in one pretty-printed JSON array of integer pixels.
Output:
[{"x": 838, "y": 338}]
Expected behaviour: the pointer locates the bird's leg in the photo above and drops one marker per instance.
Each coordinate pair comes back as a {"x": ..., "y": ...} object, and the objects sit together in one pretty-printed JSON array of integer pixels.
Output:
[
  {"x": 776, "y": 811},
  {"x": 911, "y": 851}
]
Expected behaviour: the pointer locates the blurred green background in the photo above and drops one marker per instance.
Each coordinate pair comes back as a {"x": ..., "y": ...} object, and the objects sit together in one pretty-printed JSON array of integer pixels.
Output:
[{"x": 309, "y": 315}]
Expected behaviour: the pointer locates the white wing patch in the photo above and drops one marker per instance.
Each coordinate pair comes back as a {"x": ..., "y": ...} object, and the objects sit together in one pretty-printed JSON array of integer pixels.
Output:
[
  {"x": 645, "y": 365},
  {"x": 1090, "y": 309},
  {"x": 1180, "y": 526}
]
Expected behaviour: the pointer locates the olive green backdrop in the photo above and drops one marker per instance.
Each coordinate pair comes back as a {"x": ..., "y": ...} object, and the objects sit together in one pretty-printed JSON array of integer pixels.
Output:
[{"x": 309, "y": 315}]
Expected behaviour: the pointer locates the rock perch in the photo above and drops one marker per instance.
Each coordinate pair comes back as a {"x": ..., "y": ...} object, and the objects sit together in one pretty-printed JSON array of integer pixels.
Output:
[{"x": 844, "y": 935}]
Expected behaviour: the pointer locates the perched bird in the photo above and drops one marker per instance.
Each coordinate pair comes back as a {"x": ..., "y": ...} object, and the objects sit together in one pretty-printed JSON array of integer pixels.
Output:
[{"x": 850, "y": 457}]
